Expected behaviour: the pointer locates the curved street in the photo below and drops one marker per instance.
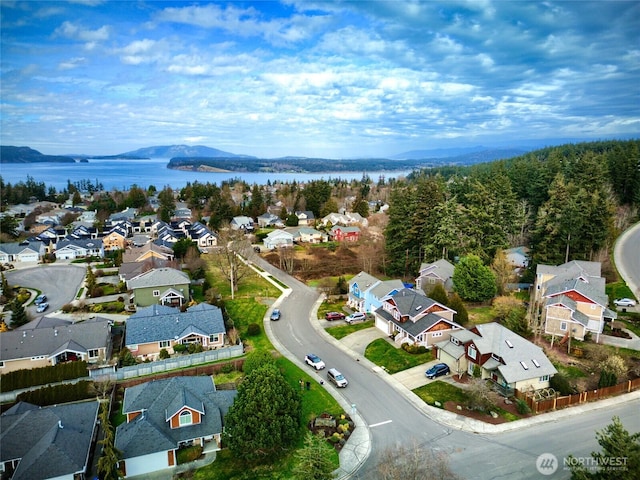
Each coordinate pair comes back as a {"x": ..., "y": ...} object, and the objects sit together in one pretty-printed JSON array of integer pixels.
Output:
[{"x": 393, "y": 415}]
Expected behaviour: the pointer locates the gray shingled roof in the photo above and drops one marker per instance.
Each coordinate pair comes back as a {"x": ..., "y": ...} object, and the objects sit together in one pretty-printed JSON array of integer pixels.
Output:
[
  {"x": 159, "y": 277},
  {"x": 33, "y": 434},
  {"x": 158, "y": 322},
  {"x": 571, "y": 304},
  {"x": 442, "y": 268},
  {"x": 364, "y": 281},
  {"x": 150, "y": 432},
  {"x": 78, "y": 337},
  {"x": 494, "y": 340},
  {"x": 383, "y": 289},
  {"x": 586, "y": 289}
]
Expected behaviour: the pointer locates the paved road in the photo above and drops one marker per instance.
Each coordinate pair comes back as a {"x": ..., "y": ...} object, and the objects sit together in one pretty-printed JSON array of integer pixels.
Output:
[
  {"x": 627, "y": 257},
  {"x": 393, "y": 418},
  {"x": 59, "y": 282}
]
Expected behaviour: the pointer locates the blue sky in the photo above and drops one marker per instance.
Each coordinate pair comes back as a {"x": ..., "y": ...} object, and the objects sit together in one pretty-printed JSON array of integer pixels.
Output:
[{"x": 332, "y": 79}]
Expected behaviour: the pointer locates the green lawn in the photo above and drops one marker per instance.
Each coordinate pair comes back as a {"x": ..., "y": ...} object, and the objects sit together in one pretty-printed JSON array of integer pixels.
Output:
[
  {"x": 570, "y": 371},
  {"x": 393, "y": 359},
  {"x": 482, "y": 314},
  {"x": 332, "y": 305},
  {"x": 344, "y": 329},
  {"x": 442, "y": 392},
  {"x": 618, "y": 290}
]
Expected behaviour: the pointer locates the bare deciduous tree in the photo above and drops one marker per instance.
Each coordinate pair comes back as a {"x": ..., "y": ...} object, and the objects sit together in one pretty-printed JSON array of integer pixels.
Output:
[
  {"x": 233, "y": 248},
  {"x": 410, "y": 461}
]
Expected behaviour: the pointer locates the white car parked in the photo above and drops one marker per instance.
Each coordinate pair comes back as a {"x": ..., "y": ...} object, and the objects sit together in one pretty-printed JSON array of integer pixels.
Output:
[
  {"x": 624, "y": 302},
  {"x": 314, "y": 361},
  {"x": 356, "y": 317}
]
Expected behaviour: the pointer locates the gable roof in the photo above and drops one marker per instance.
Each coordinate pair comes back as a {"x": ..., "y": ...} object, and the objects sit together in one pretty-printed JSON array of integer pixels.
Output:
[
  {"x": 158, "y": 322},
  {"x": 592, "y": 292},
  {"x": 385, "y": 288},
  {"x": 157, "y": 277},
  {"x": 515, "y": 351},
  {"x": 150, "y": 431},
  {"x": 51, "y": 441},
  {"x": 47, "y": 340},
  {"x": 363, "y": 280},
  {"x": 441, "y": 268}
]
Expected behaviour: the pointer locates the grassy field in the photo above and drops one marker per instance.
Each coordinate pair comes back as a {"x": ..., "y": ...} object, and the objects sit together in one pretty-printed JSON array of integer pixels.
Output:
[
  {"x": 442, "y": 392},
  {"x": 393, "y": 359},
  {"x": 481, "y": 314},
  {"x": 344, "y": 329}
]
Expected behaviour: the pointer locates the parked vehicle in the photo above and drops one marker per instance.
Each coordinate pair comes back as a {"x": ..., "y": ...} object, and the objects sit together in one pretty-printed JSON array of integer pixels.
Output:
[
  {"x": 438, "y": 370},
  {"x": 356, "y": 317},
  {"x": 337, "y": 378},
  {"x": 42, "y": 307},
  {"x": 314, "y": 361},
  {"x": 40, "y": 299},
  {"x": 275, "y": 315},
  {"x": 624, "y": 302},
  {"x": 334, "y": 316}
]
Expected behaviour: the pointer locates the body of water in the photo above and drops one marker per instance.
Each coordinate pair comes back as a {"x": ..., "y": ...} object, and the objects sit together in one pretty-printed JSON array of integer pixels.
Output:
[{"x": 122, "y": 174}]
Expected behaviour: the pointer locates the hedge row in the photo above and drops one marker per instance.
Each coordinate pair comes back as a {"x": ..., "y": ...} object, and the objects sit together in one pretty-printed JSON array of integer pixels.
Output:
[
  {"x": 41, "y": 376},
  {"x": 69, "y": 392}
]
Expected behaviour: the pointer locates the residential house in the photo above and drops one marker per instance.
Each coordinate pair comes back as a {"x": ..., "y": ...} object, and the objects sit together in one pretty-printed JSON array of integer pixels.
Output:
[
  {"x": 508, "y": 359},
  {"x": 165, "y": 286},
  {"x": 153, "y": 328},
  {"x": 242, "y": 223},
  {"x": 339, "y": 233},
  {"x": 432, "y": 274},
  {"x": 278, "y": 238},
  {"x": 201, "y": 234},
  {"x": 366, "y": 291},
  {"x": 71, "y": 248},
  {"x": 53, "y": 442},
  {"x": 270, "y": 220},
  {"x": 182, "y": 213},
  {"x": 164, "y": 415},
  {"x": 83, "y": 231},
  {"x": 23, "y": 252},
  {"x": 518, "y": 257},
  {"x": 308, "y": 235},
  {"x": 55, "y": 341},
  {"x": 126, "y": 215},
  {"x": 571, "y": 299},
  {"x": 409, "y": 316},
  {"x": 88, "y": 217},
  {"x": 344, "y": 219},
  {"x": 115, "y": 238},
  {"x": 305, "y": 218}
]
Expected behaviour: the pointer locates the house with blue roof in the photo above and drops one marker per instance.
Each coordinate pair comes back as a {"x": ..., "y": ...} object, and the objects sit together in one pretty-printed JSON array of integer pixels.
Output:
[{"x": 158, "y": 327}]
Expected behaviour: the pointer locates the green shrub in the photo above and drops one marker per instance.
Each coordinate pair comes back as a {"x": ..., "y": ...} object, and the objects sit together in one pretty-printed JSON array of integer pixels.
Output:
[
  {"x": 253, "y": 329},
  {"x": 180, "y": 348},
  {"x": 42, "y": 375},
  {"x": 414, "y": 348},
  {"x": 607, "y": 379},
  {"x": 51, "y": 395},
  {"x": 561, "y": 384},
  {"x": 522, "y": 407},
  {"x": 189, "y": 454},
  {"x": 194, "y": 348},
  {"x": 164, "y": 354},
  {"x": 477, "y": 373},
  {"x": 227, "y": 368}
]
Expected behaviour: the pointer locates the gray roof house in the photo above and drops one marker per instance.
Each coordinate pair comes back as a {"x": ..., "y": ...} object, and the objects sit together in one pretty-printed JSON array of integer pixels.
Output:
[
  {"x": 53, "y": 342},
  {"x": 431, "y": 274},
  {"x": 21, "y": 252},
  {"x": 72, "y": 248},
  {"x": 412, "y": 317},
  {"x": 166, "y": 286},
  {"x": 163, "y": 415},
  {"x": 158, "y": 327},
  {"x": 54, "y": 442},
  {"x": 508, "y": 359}
]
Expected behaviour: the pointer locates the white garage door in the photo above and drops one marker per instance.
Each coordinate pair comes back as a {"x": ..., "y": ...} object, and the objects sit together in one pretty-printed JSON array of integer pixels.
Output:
[{"x": 146, "y": 464}]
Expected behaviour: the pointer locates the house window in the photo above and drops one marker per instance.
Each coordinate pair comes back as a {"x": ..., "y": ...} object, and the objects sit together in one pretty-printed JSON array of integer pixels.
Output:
[
  {"x": 455, "y": 341},
  {"x": 94, "y": 352},
  {"x": 185, "y": 418},
  {"x": 39, "y": 357},
  {"x": 164, "y": 343},
  {"x": 213, "y": 339},
  {"x": 472, "y": 352},
  {"x": 156, "y": 293},
  {"x": 432, "y": 281},
  {"x": 1, "y": 363},
  {"x": 436, "y": 334},
  {"x": 544, "y": 378},
  {"x": 563, "y": 326}
]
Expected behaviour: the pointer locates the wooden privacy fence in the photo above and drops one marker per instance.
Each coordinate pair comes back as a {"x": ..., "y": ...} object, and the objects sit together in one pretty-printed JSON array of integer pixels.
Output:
[{"x": 544, "y": 405}]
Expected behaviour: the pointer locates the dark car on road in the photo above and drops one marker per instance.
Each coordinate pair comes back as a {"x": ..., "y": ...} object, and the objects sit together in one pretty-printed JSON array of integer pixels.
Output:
[
  {"x": 334, "y": 316},
  {"x": 438, "y": 370}
]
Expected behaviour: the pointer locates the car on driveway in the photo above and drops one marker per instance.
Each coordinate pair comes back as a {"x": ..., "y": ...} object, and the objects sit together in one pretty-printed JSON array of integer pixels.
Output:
[
  {"x": 275, "y": 315},
  {"x": 42, "y": 307},
  {"x": 438, "y": 370},
  {"x": 40, "y": 299},
  {"x": 314, "y": 361},
  {"x": 624, "y": 302},
  {"x": 334, "y": 316},
  {"x": 356, "y": 317}
]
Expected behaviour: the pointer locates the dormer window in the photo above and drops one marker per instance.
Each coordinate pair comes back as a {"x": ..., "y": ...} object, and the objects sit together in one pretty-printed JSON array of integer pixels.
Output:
[
  {"x": 186, "y": 418},
  {"x": 455, "y": 341}
]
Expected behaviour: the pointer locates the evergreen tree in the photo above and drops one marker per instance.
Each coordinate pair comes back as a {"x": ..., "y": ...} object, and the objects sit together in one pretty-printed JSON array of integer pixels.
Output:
[
  {"x": 265, "y": 417},
  {"x": 108, "y": 461},
  {"x": 456, "y": 303},
  {"x": 439, "y": 294},
  {"x": 167, "y": 204},
  {"x": 619, "y": 459},
  {"x": 313, "y": 460},
  {"x": 474, "y": 281},
  {"x": 19, "y": 315}
]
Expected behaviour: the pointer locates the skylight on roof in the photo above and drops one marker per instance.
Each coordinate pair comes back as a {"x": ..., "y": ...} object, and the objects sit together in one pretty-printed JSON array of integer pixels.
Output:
[
  {"x": 535, "y": 362},
  {"x": 418, "y": 307},
  {"x": 524, "y": 365},
  {"x": 509, "y": 344}
]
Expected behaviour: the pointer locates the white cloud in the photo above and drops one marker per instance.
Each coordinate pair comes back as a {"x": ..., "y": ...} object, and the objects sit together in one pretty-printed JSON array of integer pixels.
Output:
[{"x": 70, "y": 30}]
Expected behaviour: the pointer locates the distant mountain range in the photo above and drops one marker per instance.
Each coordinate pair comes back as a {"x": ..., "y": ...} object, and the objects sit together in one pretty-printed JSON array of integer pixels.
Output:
[
  {"x": 9, "y": 154},
  {"x": 171, "y": 151}
]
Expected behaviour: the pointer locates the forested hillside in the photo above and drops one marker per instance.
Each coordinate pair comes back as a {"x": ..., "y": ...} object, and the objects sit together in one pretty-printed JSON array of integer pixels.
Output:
[{"x": 563, "y": 202}]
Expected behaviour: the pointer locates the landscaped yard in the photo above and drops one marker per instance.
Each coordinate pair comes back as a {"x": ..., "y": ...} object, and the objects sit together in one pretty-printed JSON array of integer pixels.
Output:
[
  {"x": 393, "y": 359},
  {"x": 344, "y": 329}
]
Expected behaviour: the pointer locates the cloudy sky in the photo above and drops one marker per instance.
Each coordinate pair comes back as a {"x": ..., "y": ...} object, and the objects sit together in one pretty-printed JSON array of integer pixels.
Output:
[{"x": 333, "y": 79}]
